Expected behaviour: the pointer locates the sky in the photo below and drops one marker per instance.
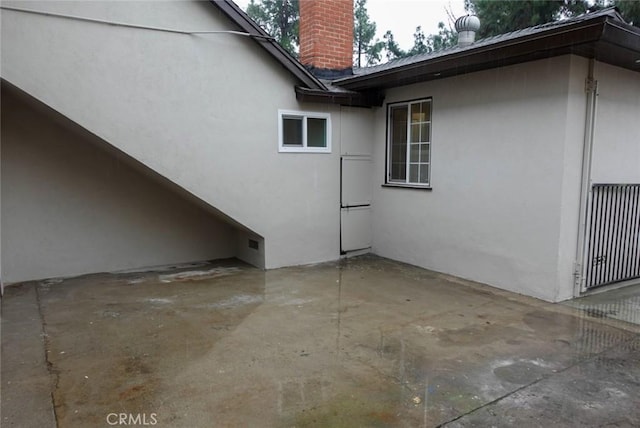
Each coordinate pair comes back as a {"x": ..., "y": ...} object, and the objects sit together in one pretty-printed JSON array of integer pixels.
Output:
[{"x": 403, "y": 16}]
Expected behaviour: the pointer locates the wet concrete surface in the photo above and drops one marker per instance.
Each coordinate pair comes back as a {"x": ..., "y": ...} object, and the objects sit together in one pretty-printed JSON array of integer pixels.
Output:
[
  {"x": 365, "y": 342},
  {"x": 622, "y": 304}
]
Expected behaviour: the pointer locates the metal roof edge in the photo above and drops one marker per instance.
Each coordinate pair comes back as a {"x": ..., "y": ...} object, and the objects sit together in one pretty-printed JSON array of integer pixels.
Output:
[
  {"x": 585, "y": 30},
  {"x": 364, "y": 99},
  {"x": 628, "y": 29}
]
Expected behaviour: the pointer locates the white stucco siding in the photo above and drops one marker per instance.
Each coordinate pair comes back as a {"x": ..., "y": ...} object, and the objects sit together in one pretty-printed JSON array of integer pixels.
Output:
[
  {"x": 571, "y": 177},
  {"x": 616, "y": 149},
  {"x": 498, "y": 147},
  {"x": 356, "y": 131},
  {"x": 200, "y": 110},
  {"x": 299, "y": 195},
  {"x": 168, "y": 100},
  {"x": 69, "y": 207}
]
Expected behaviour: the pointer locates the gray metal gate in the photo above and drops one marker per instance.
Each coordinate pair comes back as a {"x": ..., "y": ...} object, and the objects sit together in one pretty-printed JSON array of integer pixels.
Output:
[{"x": 613, "y": 252}]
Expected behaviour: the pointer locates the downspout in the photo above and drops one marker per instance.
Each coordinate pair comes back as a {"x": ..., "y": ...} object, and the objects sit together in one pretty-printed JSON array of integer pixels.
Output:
[{"x": 591, "y": 89}]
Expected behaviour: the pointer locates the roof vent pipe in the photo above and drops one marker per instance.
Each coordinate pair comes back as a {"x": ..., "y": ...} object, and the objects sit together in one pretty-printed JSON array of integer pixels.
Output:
[{"x": 466, "y": 26}]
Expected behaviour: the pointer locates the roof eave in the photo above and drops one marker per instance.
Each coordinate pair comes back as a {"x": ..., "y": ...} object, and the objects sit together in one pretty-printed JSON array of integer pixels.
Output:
[
  {"x": 568, "y": 39},
  {"x": 233, "y": 12},
  {"x": 349, "y": 98}
]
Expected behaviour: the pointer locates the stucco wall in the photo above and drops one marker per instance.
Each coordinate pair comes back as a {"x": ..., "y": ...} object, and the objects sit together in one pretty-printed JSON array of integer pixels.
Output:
[
  {"x": 356, "y": 131},
  {"x": 498, "y": 156},
  {"x": 571, "y": 178},
  {"x": 69, "y": 207},
  {"x": 200, "y": 110},
  {"x": 616, "y": 149}
]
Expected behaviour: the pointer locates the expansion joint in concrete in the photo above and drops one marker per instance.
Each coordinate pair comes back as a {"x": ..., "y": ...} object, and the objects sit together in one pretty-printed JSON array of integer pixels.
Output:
[
  {"x": 577, "y": 362},
  {"x": 53, "y": 373}
]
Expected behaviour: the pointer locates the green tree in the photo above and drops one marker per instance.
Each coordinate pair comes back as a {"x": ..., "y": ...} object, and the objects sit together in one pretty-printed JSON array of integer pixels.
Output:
[
  {"x": 279, "y": 18},
  {"x": 629, "y": 9},
  {"x": 445, "y": 38},
  {"x": 391, "y": 47},
  {"x": 503, "y": 16},
  {"x": 364, "y": 32},
  {"x": 419, "y": 43}
]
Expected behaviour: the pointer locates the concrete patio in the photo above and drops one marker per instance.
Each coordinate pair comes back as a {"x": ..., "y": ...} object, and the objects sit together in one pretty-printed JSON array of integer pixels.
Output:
[{"x": 365, "y": 342}]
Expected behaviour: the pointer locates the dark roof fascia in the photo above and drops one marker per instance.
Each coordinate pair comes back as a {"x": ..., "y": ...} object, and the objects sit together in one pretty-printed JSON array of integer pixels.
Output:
[
  {"x": 623, "y": 35},
  {"x": 347, "y": 98},
  {"x": 557, "y": 41},
  {"x": 619, "y": 46},
  {"x": 233, "y": 12}
]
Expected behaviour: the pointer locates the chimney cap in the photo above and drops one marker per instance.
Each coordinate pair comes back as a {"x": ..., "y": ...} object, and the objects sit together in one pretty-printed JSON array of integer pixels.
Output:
[{"x": 467, "y": 23}]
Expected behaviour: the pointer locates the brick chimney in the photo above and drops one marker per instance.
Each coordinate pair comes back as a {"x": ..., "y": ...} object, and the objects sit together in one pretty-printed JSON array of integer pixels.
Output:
[{"x": 326, "y": 37}]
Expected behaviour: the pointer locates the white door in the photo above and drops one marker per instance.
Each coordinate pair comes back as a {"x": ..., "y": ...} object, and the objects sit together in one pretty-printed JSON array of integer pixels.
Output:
[{"x": 355, "y": 203}]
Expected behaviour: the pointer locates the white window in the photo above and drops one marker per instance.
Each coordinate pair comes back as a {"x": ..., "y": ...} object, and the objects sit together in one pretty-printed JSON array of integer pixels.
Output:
[
  {"x": 304, "y": 132},
  {"x": 409, "y": 143}
]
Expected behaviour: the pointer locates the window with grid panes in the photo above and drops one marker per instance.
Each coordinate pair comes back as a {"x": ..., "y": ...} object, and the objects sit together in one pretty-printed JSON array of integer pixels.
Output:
[{"x": 409, "y": 143}]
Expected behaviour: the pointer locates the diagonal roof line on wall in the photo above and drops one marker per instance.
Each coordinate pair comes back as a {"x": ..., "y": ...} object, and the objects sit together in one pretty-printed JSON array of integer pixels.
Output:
[
  {"x": 124, "y": 24},
  {"x": 240, "y": 18},
  {"x": 603, "y": 35}
]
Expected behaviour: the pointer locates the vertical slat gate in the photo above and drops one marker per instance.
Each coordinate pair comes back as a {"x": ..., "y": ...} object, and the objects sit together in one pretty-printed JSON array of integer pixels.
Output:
[{"x": 613, "y": 252}]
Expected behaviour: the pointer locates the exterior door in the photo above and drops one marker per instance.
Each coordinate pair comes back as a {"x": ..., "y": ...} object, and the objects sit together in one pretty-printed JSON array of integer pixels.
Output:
[{"x": 355, "y": 203}]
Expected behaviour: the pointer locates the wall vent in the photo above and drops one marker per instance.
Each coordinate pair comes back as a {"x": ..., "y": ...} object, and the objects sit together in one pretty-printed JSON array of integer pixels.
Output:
[{"x": 253, "y": 244}]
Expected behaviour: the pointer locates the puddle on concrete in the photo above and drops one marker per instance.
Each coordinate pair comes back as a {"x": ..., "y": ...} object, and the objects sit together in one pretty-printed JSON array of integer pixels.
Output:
[
  {"x": 368, "y": 342},
  {"x": 118, "y": 349},
  {"x": 166, "y": 268},
  {"x": 196, "y": 275},
  {"x": 625, "y": 309},
  {"x": 346, "y": 411},
  {"x": 521, "y": 372},
  {"x": 234, "y": 302},
  {"x": 475, "y": 335},
  {"x": 159, "y": 301}
]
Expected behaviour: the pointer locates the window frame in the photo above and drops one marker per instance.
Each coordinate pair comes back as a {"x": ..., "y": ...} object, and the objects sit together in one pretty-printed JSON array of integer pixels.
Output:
[
  {"x": 388, "y": 182},
  {"x": 304, "y": 115}
]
